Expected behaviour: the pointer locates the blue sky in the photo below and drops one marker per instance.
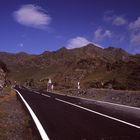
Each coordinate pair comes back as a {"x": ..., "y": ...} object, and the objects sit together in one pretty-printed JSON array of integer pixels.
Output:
[{"x": 34, "y": 26}]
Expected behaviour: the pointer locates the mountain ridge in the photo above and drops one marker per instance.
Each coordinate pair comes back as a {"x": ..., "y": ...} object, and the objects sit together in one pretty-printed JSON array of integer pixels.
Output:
[{"x": 91, "y": 65}]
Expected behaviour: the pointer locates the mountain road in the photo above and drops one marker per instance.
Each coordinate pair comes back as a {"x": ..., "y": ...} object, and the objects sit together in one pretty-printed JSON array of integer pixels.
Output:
[{"x": 70, "y": 118}]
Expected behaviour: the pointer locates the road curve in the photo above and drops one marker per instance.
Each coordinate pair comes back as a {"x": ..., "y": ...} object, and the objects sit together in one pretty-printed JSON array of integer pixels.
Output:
[{"x": 67, "y": 118}]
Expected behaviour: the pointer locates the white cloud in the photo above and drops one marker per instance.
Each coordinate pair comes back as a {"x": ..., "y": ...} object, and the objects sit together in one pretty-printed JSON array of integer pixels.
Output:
[
  {"x": 135, "y": 25},
  {"x": 134, "y": 28},
  {"x": 118, "y": 21},
  {"x": 135, "y": 39},
  {"x": 100, "y": 34},
  {"x": 32, "y": 16},
  {"x": 77, "y": 42},
  {"x": 136, "y": 50},
  {"x": 108, "y": 15},
  {"x": 20, "y": 44}
]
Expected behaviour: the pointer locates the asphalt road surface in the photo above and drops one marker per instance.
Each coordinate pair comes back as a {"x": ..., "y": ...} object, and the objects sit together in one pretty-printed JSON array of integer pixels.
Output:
[{"x": 68, "y": 118}]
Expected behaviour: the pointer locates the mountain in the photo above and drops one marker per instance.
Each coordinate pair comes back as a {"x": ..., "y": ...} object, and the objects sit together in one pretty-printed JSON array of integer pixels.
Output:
[{"x": 91, "y": 65}]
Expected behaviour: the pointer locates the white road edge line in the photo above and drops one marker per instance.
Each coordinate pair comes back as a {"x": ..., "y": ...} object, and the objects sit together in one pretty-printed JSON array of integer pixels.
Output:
[
  {"x": 116, "y": 104},
  {"x": 46, "y": 95},
  {"x": 36, "y": 120},
  {"x": 105, "y": 102},
  {"x": 130, "y": 124}
]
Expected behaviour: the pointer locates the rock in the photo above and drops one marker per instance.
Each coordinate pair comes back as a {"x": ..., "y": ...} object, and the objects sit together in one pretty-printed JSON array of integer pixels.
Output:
[{"x": 3, "y": 74}]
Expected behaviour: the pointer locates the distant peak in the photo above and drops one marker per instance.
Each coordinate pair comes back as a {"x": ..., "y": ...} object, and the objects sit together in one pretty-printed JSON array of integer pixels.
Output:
[
  {"x": 97, "y": 45},
  {"x": 45, "y": 53},
  {"x": 22, "y": 53},
  {"x": 116, "y": 49},
  {"x": 63, "y": 49},
  {"x": 92, "y": 45}
]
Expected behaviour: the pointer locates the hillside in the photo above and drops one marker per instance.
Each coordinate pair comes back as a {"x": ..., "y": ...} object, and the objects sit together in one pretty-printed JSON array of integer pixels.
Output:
[
  {"x": 3, "y": 74},
  {"x": 94, "y": 67}
]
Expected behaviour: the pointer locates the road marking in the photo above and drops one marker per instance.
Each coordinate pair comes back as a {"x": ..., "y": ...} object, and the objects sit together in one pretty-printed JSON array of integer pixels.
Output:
[
  {"x": 36, "y": 120},
  {"x": 57, "y": 93},
  {"x": 89, "y": 110},
  {"x": 42, "y": 94},
  {"x": 132, "y": 107},
  {"x": 36, "y": 92},
  {"x": 46, "y": 95},
  {"x": 119, "y": 105}
]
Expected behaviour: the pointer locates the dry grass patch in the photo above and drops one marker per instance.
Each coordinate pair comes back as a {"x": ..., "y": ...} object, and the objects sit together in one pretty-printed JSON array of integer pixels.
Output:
[{"x": 14, "y": 121}]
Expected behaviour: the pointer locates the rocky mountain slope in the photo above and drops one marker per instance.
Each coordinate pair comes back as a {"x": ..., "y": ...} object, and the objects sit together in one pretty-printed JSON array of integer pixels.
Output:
[
  {"x": 94, "y": 67},
  {"x": 3, "y": 74}
]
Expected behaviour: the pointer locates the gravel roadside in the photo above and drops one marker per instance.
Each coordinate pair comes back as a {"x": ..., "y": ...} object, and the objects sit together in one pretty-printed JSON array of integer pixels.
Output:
[
  {"x": 14, "y": 121},
  {"x": 130, "y": 98}
]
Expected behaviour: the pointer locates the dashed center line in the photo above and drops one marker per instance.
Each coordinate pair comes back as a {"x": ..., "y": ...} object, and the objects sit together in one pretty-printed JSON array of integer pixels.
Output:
[
  {"x": 46, "y": 95},
  {"x": 36, "y": 92},
  {"x": 89, "y": 110}
]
